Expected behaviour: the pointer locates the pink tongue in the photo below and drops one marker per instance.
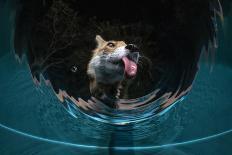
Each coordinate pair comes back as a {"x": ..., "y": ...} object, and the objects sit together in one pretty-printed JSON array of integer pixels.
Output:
[{"x": 130, "y": 67}]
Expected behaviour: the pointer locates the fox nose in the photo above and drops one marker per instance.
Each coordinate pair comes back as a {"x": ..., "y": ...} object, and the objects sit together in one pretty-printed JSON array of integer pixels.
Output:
[{"x": 132, "y": 48}]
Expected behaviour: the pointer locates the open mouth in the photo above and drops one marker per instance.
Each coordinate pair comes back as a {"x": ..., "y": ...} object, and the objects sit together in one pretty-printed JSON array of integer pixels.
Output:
[
  {"x": 130, "y": 64},
  {"x": 130, "y": 67}
]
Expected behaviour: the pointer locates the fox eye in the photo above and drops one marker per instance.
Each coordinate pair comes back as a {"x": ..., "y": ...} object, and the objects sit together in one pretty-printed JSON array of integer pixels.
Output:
[{"x": 111, "y": 44}]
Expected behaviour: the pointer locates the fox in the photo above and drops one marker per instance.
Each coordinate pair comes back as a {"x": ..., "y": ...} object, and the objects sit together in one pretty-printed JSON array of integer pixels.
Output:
[{"x": 111, "y": 68}]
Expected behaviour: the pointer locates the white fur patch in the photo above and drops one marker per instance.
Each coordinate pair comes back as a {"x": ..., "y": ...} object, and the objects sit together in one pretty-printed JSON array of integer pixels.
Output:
[
  {"x": 97, "y": 60},
  {"x": 94, "y": 62},
  {"x": 119, "y": 52}
]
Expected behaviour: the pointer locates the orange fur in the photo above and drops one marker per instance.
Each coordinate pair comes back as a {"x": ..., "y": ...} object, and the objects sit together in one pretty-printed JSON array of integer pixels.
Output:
[{"x": 104, "y": 46}]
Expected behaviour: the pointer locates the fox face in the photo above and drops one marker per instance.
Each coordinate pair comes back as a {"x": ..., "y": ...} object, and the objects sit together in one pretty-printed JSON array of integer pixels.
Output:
[{"x": 111, "y": 63}]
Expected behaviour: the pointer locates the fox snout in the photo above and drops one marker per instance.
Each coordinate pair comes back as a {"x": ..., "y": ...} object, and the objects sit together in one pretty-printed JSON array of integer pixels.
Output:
[{"x": 132, "y": 48}]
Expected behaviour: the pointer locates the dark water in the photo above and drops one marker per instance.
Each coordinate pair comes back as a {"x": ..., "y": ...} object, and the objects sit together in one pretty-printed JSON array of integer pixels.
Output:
[{"x": 34, "y": 122}]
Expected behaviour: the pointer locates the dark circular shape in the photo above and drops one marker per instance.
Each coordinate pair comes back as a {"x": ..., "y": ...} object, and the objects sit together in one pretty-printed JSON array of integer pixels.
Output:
[{"x": 134, "y": 59}]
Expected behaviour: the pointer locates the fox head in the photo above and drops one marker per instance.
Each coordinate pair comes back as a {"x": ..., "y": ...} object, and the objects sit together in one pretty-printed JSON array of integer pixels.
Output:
[{"x": 111, "y": 63}]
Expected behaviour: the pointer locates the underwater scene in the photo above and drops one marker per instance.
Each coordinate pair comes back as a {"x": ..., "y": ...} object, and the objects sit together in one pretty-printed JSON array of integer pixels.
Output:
[{"x": 113, "y": 78}]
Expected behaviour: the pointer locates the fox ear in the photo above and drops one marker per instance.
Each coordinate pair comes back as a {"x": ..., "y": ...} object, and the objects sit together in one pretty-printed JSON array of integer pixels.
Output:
[{"x": 100, "y": 41}]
